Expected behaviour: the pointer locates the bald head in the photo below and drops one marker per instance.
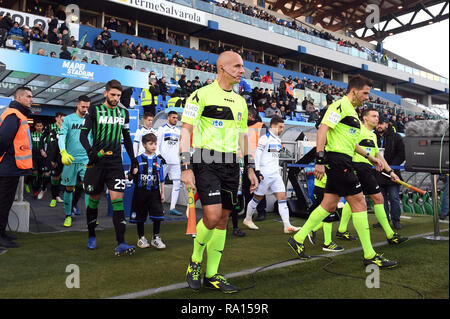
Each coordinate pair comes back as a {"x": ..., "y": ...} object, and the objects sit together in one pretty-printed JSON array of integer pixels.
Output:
[{"x": 230, "y": 67}]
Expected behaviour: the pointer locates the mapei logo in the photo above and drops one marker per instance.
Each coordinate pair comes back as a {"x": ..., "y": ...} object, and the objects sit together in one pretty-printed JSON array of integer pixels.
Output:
[
  {"x": 78, "y": 70},
  {"x": 111, "y": 120},
  {"x": 217, "y": 124},
  {"x": 229, "y": 100}
]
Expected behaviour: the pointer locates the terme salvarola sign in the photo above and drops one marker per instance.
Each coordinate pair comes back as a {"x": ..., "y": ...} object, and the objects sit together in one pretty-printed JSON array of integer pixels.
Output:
[{"x": 167, "y": 8}]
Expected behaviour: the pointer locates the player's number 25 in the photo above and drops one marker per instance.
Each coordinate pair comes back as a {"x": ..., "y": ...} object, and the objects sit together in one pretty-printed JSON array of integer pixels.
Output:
[{"x": 120, "y": 183}]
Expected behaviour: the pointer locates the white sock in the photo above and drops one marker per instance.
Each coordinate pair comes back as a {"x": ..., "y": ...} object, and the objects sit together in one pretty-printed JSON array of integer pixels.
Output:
[
  {"x": 175, "y": 192},
  {"x": 284, "y": 212},
  {"x": 251, "y": 208}
]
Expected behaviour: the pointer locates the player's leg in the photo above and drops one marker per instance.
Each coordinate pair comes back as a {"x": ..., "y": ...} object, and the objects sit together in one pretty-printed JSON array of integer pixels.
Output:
[
  {"x": 93, "y": 184},
  {"x": 229, "y": 178},
  {"x": 251, "y": 209},
  {"x": 326, "y": 207},
  {"x": 279, "y": 190},
  {"x": 358, "y": 207},
  {"x": 234, "y": 217},
  {"x": 258, "y": 195},
  {"x": 68, "y": 180},
  {"x": 115, "y": 181},
  {"x": 342, "y": 231},
  {"x": 138, "y": 216},
  {"x": 55, "y": 176},
  {"x": 357, "y": 203},
  {"x": 174, "y": 172},
  {"x": 213, "y": 279},
  {"x": 393, "y": 238},
  {"x": 156, "y": 213},
  {"x": 81, "y": 169}
]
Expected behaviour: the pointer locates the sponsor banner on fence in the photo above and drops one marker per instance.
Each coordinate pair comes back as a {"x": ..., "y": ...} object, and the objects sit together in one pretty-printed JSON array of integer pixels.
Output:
[{"x": 167, "y": 8}]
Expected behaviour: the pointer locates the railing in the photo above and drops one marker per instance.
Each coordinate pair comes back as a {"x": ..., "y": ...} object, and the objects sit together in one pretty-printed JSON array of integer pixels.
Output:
[
  {"x": 120, "y": 62},
  {"x": 229, "y": 14}
]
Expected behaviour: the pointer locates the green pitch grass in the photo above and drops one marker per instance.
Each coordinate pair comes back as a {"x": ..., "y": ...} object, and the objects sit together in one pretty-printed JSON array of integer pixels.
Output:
[{"x": 38, "y": 268}]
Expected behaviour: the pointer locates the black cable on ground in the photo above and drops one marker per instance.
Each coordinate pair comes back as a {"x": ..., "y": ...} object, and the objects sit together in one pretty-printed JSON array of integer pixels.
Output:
[{"x": 325, "y": 268}]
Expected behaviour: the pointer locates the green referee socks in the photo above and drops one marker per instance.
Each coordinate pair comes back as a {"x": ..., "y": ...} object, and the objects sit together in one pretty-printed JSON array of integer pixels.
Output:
[
  {"x": 327, "y": 229},
  {"x": 345, "y": 218},
  {"x": 318, "y": 215},
  {"x": 361, "y": 224},
  {"x": 319, "y": 226},
  {"x": 214, "y": 251},
  {"x": 201, "y": 240},
  {"x": 380, "y": 213}
]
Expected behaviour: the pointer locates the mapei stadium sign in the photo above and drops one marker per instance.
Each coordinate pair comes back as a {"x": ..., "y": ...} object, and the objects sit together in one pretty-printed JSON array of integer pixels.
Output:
[{"x": 167, "y": 8}]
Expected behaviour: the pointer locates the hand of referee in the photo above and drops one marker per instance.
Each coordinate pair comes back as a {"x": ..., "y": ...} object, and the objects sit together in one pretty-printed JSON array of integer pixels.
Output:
[
  {"x": 319, "y": 171},
  {"x": 188, "y": 178},
  {"x": 253, "y": 180},
  {"x": 377, "y": 163}
]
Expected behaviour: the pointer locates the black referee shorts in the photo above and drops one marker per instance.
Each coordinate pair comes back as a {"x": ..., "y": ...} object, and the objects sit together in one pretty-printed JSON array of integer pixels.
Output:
[
  {"x": 366, "y": 176},
  {"x": 96, "y": 177},
  {"x": 341, "y": 177},
  {"x": 217, "y": 184},
  {"x": 318, "y": 193}
]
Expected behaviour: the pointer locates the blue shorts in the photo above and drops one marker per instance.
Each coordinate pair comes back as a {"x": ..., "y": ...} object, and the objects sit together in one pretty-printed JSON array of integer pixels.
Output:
[{"x": 71, "y": 172}]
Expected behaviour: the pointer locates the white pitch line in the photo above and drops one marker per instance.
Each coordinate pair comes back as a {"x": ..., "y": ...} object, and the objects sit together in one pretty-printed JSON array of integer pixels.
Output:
[{"x": 241, "y": 273}]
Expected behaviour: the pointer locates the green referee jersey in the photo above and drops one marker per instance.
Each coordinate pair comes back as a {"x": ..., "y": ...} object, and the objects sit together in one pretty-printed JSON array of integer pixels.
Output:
[
  {"x": 368, "y": 142},
  {"x": 218, "y": 117},
  {"x": 344, "y": 125}
]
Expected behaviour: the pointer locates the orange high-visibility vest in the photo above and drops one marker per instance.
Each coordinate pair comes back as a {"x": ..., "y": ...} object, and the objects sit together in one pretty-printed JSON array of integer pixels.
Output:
[
  {"x": 254, "y": 131},
  {"x": 22, "y": 140}
]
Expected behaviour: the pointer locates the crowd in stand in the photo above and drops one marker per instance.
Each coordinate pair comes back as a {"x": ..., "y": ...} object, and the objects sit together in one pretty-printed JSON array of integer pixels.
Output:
[
  {"x": 283, "y": 98},
  {"x": 264, "y": 15}
]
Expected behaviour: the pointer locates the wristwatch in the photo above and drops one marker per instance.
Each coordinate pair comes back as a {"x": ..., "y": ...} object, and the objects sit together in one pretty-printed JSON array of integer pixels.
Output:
[
  {"x": 367, "y": 155},
  {"x": 320, "y": 157},
  {"x": 185, "y": 167},
  {"x": 389, "y": 173}
]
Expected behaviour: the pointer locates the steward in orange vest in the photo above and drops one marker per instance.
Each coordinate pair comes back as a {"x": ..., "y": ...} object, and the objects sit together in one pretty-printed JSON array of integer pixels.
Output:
[
  {"x": 15, "y": 156},
  {"x": 15, "y": 142}
]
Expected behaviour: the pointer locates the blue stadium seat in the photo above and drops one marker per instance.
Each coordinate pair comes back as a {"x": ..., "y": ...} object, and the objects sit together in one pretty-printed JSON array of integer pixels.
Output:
[{"x": 262, "y": 114}]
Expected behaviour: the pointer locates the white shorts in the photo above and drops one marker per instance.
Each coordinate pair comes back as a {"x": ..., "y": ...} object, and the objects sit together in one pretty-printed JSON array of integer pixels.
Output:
[
  {"x": 270, "y": 185},
  {"x": 173, "y": 170}
]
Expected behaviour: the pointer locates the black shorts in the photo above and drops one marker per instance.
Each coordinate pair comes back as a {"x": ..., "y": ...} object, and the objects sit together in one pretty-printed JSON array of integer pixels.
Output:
[
  {"x": 341, "y": 177},
  {"x": 318, "y": 197},
  {"x": 366, "y": 176},
  {"x": 41, "y": 164},
  {"x": 96, "y": 177},
  {"x": 146, "y": 203},
  {"x": 217, "y": 184},
  {"x": 56, "y": 171}
]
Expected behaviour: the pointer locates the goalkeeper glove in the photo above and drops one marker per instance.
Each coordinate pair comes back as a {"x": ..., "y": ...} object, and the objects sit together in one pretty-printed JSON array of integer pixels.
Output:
[{"x": 66, "y": 158}]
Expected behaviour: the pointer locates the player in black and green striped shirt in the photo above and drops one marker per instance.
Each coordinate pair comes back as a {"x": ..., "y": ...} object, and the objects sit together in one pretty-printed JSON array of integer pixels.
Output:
[
  {"x": 49, "y": 144},
  {"x": 108, "y": 122},
  {"x": 38, "y": 160}
]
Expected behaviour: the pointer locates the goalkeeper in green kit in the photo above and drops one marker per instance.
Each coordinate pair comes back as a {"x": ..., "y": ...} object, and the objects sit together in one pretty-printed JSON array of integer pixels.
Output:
[{"x": 73, "y": 156}]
